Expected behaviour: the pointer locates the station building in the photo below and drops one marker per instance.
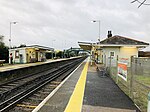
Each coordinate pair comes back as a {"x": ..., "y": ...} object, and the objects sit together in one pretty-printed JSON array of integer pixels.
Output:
[
  {"x": 28, "y": 54},
  {"x": 113, "y": 48}
]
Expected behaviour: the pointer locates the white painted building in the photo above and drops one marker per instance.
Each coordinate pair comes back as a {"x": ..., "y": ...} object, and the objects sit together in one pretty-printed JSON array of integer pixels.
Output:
[
  {"x": 28, "y": 54},
  {"x": 114, "y": 48}
]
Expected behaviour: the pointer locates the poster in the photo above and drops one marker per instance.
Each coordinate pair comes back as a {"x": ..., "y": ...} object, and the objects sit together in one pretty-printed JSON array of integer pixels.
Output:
[{"x": 122, "y": 69}]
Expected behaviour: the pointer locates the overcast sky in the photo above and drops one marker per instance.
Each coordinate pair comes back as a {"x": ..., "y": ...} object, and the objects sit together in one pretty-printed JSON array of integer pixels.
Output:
[{"x": 62, "y": 23}]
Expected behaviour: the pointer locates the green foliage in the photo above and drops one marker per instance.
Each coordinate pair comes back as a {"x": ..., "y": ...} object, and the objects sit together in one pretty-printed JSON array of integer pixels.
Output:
[
  {"x": 4, "y": 53},
  {"x": 143, "y": 79},
  {"x": 59, "y": 54}
]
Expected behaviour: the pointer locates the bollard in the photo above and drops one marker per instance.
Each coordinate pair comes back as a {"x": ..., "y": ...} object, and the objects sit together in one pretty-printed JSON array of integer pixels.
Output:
[{"x": 148, "y": 107}]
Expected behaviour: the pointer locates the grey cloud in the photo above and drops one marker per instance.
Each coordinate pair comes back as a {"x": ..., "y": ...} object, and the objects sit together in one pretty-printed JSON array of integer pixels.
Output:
[{"x": 68, "y": 21}]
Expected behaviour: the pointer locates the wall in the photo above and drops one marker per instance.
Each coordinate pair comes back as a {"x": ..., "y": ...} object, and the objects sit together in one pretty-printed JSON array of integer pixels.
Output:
[
  {"x": 17, "y": 59},
  {"x": 35, "y": 53},
  {"x": 41, "y": 55},
  {"x": 27, "y": 54},
  {"x": 30, "y": 53},
  {"x": 106, "y": 55},
  {"x": 120, "y": 52},
  {"x": 127, "y": 52},
  {"x": 22, "y": 51}
]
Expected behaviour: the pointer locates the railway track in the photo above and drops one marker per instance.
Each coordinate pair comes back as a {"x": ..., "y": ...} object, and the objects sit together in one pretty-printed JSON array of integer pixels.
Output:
[{"x": 14, "y": 93}]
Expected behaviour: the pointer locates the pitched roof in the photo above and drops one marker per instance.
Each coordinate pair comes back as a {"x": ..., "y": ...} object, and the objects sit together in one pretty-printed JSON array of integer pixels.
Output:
[
  {"x": 41, "y": 47},
  {"x": 120, "y": 40},
  {"x": 34, "y": 46}
]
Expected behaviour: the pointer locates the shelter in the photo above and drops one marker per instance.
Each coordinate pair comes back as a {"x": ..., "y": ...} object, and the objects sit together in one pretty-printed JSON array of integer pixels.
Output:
[
  {"x": 27, "y": 54},
  {"x": 113, "y": 48}
]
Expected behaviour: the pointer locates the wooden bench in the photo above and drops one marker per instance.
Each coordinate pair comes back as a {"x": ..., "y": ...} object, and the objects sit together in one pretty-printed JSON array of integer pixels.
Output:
[{"x": 1, "y": 62}]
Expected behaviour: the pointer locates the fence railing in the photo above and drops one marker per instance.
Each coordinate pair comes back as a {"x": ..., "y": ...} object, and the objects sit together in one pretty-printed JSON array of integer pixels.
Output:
[{"x": 137, "y": 85}]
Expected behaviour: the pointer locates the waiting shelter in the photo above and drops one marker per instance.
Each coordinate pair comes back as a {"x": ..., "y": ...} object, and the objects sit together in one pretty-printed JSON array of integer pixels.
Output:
[{"x": 28, "y": 54}]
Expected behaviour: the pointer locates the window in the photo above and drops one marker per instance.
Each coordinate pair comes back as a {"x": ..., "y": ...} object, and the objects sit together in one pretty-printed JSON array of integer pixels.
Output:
[
  {"x": 17, "y": 54},
  {"x": 112, "y": 54}
]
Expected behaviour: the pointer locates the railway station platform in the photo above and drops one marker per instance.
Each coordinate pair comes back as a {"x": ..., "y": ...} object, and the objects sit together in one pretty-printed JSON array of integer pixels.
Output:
[
  {"x": 19, "y": 66},
  {"x": 85, "y": 90}
]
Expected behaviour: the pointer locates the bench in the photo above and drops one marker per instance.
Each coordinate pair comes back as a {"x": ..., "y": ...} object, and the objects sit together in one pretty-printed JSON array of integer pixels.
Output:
[
  {"x": 1, "y": 62},
  {"x": 102, "y": 69}
]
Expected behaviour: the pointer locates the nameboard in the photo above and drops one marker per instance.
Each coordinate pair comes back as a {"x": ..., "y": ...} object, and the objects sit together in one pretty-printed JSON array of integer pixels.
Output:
[{"x": 122, "y": 68}]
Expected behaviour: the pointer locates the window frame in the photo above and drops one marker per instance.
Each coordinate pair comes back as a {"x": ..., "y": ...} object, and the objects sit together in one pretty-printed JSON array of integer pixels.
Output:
[
  {"x": 113, "y": 53},
  {"x": 17, "y": 54}
]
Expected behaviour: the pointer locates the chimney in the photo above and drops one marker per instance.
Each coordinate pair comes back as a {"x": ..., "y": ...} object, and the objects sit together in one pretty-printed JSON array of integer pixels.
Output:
[{"x": 109, "y": 34}]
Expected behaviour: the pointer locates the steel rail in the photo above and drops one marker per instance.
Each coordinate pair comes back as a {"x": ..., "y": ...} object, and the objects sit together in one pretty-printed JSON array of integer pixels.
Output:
[
  {"x": 8, "y": 104},
  {"x": 26, "y": 76},
  {"x": 9, "y": 91},
  {"x": 6, "y": 93}
]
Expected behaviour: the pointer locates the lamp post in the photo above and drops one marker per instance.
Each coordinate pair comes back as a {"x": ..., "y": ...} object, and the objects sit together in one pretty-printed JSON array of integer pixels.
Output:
[
  {"x": 10, "y": 33},
  {"x": 91, "y": 52},
  {"x": 54, "y": 49},
  {"x": 99, "y": 22}
]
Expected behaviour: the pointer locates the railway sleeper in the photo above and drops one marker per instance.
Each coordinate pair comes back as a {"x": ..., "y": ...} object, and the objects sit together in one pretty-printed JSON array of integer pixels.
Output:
[{"x": 34, "y": 88}]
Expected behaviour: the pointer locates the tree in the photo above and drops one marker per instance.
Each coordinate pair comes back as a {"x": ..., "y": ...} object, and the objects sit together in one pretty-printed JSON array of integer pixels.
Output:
[
  {"x": 4, "y": 53},
  {"x": 59, "y": 54},
  {"x": 1, "y": 38}
]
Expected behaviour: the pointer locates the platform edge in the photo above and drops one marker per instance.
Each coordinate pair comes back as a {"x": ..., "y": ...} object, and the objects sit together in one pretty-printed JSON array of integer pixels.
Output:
[{"x": 55, "y": 90}]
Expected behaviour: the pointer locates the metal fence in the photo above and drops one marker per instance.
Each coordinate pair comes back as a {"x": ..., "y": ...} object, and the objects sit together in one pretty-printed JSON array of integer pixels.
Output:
[{"x": 137, "y": 85}]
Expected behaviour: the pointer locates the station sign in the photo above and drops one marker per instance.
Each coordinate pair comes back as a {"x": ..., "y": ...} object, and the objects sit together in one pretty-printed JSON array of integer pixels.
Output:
[{"x": 122, "y": 68}]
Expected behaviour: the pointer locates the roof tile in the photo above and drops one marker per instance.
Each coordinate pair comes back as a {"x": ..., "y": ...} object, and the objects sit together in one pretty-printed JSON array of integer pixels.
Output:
[{"x": 122, "y": 40}]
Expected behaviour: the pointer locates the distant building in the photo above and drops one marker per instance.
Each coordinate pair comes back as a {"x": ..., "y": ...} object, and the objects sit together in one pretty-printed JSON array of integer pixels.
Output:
[
  {"x": 144, "y": 53},
  {"x": 28, "y": 54},
  {"x": 71, "y": 52},
  {"x": 114, "y": 48}
]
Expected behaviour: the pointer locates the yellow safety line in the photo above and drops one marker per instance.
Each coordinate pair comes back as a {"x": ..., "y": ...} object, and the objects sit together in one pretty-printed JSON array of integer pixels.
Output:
[{"x": 75, "y": 102}]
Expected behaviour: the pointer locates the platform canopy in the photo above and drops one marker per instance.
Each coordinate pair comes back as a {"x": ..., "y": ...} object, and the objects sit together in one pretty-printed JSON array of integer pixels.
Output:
[
  {"x": 86, "y": 45},
  {"x": 48, "y": 49},
  {"x": 114, "y": 41}
]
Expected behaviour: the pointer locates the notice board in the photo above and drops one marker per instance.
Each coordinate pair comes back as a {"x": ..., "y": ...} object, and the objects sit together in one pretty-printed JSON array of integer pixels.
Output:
[{"x": 122, "y": 68}]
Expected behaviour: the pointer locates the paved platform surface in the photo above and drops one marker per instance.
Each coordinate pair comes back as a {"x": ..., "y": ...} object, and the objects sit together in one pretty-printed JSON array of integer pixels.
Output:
[
  {"x": 100, "y": 94},
  {"x": 103, "y": 95},
  {"x": 18, "y": 66},
  {"x": 59, "y": 101}
]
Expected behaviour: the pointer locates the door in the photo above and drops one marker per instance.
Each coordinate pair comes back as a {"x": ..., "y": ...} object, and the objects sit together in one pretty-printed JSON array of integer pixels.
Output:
[
  {"x": 21, "y": 58},
  {"x": 37, "y": 59}
]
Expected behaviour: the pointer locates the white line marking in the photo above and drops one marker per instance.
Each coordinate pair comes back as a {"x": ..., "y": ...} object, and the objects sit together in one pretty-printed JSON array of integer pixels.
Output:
[{"x": 54, "y": 91}]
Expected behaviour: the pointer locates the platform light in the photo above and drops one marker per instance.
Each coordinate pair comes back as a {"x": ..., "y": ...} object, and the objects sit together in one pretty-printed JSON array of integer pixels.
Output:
[{"x": 10, "y": 32}]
